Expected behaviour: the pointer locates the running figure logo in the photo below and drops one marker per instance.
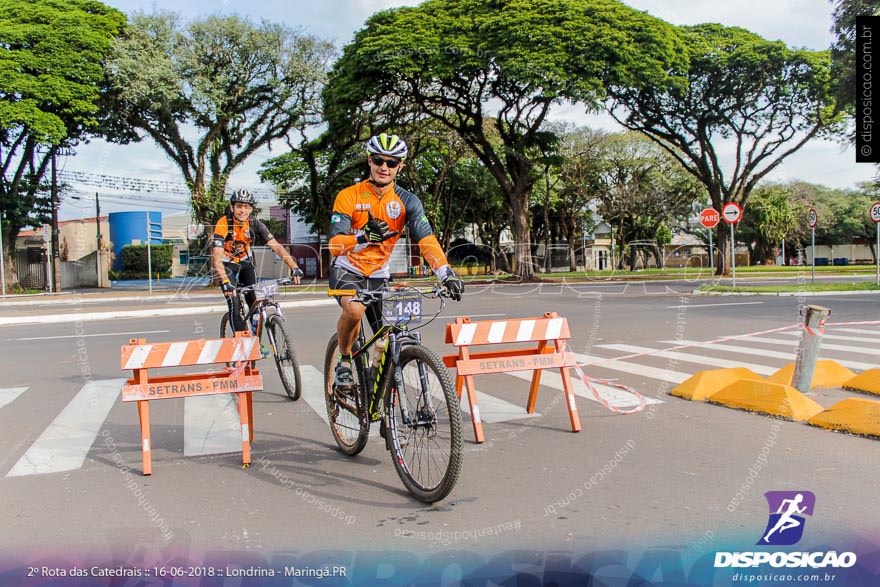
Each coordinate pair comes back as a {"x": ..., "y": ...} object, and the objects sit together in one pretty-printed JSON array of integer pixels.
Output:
[{"x": 786, "y": 524}]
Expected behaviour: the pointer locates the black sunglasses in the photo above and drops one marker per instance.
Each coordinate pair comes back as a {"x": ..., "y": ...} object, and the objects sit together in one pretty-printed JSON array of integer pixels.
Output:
[{"x": 378, "y": 161}]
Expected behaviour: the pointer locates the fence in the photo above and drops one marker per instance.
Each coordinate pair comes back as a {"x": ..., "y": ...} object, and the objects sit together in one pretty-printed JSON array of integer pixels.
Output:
[{"x": 30, "y": 265}]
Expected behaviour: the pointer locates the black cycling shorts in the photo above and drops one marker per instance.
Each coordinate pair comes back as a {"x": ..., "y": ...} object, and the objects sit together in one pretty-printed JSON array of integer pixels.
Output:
[{"x": 341, "y": 278}]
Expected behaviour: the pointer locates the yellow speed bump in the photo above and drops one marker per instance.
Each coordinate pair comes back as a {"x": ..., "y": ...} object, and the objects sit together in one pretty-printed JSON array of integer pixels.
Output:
[
  {"x": 775, "y": 399},
  {"x": 701, "y": 385},
  {"x": 868, "y": 381},
  {"x": 856, "y": 415},
  {"x": 828, "y": 373}
]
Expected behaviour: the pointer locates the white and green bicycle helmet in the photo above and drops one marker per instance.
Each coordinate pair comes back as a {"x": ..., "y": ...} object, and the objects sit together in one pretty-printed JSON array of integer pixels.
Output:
[{"x": 388, "y": 145}]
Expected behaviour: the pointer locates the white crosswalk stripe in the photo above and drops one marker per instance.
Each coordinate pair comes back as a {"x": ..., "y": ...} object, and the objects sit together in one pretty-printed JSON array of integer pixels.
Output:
[
  {"x": 493, "y": 409},
  {"x": 828, "y": 336},
  {"x": 829, "y": 347},
  {"x": 10, "y": 394},
  {"x": 313, "y": 394},
  {"x": 63, "y": 446},
  {"x": 615, "y": 397},
  {"x": 706, "y": 362},
  {"x": 211, "y": 425},
  {"x": 669, "y": 375},
  {"x": 741, "y": 350},
  {"x": 856, "y": 331}
]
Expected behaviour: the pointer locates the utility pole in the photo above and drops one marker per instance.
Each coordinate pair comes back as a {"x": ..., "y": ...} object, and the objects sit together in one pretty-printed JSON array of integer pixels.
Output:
[
  {"x": 98, "y": 229},
  {"x": 54, "y": 253}
]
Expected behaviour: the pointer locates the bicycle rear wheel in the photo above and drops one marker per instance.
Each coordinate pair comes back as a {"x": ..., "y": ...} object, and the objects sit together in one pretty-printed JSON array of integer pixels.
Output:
[
  {"x": 425, "y": 426},
  {"x": 349, "y": 429},
  {"x": 285, "y": 357}
]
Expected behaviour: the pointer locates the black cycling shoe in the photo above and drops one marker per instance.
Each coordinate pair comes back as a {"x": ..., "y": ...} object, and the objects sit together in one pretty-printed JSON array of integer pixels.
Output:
[
  {"x": 382, "y": 432},
  {"x": 343, "y": 380}
]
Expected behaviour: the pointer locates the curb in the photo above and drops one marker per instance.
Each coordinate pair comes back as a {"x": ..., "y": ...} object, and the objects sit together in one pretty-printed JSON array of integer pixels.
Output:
[{"x": 868, "y": 292}]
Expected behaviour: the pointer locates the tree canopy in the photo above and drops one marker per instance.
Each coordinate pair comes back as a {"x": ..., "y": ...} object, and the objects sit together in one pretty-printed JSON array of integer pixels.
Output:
[
  {"x": 498, "y": 67},
  {"x": 240, "y": 85},
  {"x": 759, "y": 97},
  {"x": 51, "y": 82}
]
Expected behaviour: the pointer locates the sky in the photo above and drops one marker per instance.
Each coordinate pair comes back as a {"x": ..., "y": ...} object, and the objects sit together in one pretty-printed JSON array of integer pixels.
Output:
[{"x": 799, "y": 23}]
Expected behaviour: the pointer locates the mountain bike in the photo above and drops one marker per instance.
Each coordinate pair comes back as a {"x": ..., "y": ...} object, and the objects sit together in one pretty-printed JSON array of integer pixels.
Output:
[
  {"x": 407, "y": 390},
  {"x": 265, "y": 315}
]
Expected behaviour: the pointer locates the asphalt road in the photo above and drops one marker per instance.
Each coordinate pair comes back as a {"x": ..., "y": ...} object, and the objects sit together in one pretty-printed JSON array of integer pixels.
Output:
[{"x": 673, "y": 474}]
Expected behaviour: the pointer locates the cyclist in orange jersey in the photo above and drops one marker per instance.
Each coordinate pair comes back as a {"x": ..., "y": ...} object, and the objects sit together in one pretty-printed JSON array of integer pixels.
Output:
[
  {"x": 367, "y": 221},
  {"x": 232, "y": 253}
]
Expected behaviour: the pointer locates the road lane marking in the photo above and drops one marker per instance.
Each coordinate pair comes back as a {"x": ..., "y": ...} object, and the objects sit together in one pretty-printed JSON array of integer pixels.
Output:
[
  {"x": 90, "y": 335},
  {"x": 706, "y": 362},
  {"x": 731, "y": 348},
  {"x": 151, "y": 313},
  {"x": 10, "y": 394},
  {"x": 689, "y": 306},
  {"x": 64, "y": 444}
]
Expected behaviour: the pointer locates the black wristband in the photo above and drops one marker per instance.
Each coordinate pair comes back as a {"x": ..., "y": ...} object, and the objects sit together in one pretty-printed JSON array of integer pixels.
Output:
[{"x": 361, "y": 239}]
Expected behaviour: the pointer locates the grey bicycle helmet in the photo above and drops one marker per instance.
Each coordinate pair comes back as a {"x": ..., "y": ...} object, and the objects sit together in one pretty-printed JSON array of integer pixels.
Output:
[
  {"x": 242, "y": 196},
  {"x": 386, "y": 144}
]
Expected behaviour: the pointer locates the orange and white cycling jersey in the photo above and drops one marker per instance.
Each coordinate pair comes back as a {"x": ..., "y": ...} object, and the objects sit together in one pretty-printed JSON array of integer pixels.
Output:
[{"x": 399, "y": 208}]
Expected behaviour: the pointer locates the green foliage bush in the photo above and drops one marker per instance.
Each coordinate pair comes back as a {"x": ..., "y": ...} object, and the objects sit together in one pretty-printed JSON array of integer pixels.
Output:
[{"x": 134, "y": 258}]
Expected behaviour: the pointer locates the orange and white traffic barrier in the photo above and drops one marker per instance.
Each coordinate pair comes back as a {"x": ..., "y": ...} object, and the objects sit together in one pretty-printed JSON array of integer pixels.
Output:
[
  {"x": 549, "y": 332},
  {"x": 242, "y": 380}
]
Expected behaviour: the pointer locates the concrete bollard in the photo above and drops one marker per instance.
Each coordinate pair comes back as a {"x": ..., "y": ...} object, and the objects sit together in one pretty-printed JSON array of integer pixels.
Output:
[{"x": 808, "y": 351}]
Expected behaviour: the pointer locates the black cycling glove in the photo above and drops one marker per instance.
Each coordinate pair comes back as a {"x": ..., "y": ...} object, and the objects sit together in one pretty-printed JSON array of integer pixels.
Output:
[{"x": 376, "y": 231}]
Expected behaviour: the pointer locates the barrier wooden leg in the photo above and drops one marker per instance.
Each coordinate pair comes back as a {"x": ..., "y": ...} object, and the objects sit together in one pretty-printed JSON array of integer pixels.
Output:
[
  {"x": 250, "y": 407},
  {"x": 533, "y": 391},
  {"x": 146, "y": 449},
  {"x": 245, "y": 430},
  {"x": 568, "y": 388},
  {"x": 459, "y": 381},
  {"x": 475, "y": 409}
]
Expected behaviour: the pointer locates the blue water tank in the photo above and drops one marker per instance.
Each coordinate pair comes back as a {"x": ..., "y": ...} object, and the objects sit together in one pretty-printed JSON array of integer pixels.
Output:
[{"x": 126, "y": 227}]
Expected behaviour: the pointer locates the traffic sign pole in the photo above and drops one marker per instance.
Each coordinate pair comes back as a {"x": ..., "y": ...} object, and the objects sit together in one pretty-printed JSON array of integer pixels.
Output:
[
  {"x": 813, "y": 278},
  {"x": 710, "y": 218},
  {"x": 732, "y": 213},
  {"x": 732, "y": 255},
  {"x": 812, "y": 221},
  {"x": 711, "y": 253},
  {"x": 874, "y": 214}
]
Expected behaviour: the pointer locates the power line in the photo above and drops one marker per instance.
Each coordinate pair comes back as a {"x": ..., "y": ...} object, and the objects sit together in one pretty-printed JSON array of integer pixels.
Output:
[{"x": 135, "y": 184}]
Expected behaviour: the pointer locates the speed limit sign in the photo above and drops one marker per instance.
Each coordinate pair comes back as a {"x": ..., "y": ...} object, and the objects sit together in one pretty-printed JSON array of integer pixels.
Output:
[
  {"x": 812, "y": 218},
  {"x": 874, "y": 212}
]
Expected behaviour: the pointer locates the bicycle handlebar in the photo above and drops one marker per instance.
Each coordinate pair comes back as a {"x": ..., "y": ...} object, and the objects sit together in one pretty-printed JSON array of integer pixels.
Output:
[
  {"x": 282, "y": 281},
  {"x": 369, "y": 296}
]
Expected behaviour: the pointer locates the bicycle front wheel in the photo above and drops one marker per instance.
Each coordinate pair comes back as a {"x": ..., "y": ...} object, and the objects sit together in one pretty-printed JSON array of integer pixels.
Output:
[
  {"x": 349, "y": 429},
  {"x": 425, "y": 426},
  {"x": 285, "y": 357}
]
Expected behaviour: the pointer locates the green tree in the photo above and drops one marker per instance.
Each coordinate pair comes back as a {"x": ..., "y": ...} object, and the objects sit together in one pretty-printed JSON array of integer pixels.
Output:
[
  {"x": 643, "y": 190},
  {"x": 843, "y": 49},
  {"x": 51, "y": 82},
  {"x": 758, "y": 97},
  {"x": 581, "y": 182},
  {"x": 484, "y": 68},
  {"x": 771, "y": 218},
  {"x": 240, "y": 85}
]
